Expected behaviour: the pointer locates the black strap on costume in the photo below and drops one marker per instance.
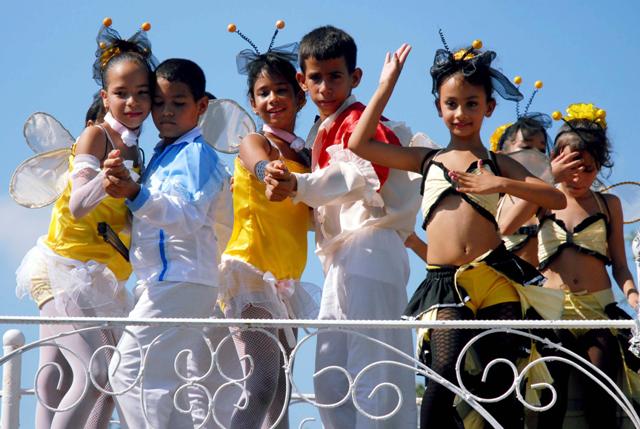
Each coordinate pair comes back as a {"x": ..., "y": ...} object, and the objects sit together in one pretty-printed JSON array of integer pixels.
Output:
[{"x": 424, "y": 166}]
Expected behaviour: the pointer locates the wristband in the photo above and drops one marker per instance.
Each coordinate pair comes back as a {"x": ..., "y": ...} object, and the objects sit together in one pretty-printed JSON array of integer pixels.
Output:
[{"x": 260, "y": 169}]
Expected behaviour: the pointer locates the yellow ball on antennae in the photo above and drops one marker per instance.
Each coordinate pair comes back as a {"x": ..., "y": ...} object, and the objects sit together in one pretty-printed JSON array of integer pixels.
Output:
[
  {"x": 538, "y": 84},
  {"x": 231, "y": 28},
  {"x": 556, "y": 115},
  {"x": 476, "y": 44},
  {"x": 103, "y": 45},
  {"x": 107, "y": 22},
  {"x": 517, "y": 80},
  {"x": 279, "y": 24},
  {"x": 146, "y": 26}
]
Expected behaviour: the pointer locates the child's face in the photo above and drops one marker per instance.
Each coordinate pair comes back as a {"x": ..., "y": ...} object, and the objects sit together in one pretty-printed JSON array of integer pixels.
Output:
[
  {"x": 274, "y": 100},
  {"x": 175, "y": 111},
  {"x": 518, "y": 142},
  {"x": 580, "y": 182},
  {"x": 328, "y": 83},
  {"x": 127, "y": 96},
  {"x": 463, "y": 107}
]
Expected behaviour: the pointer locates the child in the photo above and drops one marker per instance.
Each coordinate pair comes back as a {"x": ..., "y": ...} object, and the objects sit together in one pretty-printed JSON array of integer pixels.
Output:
[
  {"x": 574, "y": 246},
  {"x": 470, "y": 273},
  {"x": 267, "y": 252},
  {"x": 363, "y": 212},
  {"x": 73, "y": 271},
  {"x": 173, "y": 249}
]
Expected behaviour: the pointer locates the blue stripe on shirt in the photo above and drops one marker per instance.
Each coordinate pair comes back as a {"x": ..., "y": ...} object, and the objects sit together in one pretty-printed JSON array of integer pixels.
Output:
[{"x": 163, "y": 257}]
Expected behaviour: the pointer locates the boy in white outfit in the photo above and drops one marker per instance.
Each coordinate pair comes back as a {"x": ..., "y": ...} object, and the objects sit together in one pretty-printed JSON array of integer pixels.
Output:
[
  {"x": 364, "y": 213},
  {"x": 173, "y": 252}
]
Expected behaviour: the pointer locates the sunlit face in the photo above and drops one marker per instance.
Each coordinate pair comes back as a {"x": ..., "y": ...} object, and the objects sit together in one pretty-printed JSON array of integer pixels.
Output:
[
  {"x": 463, "y": 107},
  {"x": 175, "y": 112},
  {"x": 127, "y": 96},
  {"x": 328, "y": 83},
  {"x": 274, "y": 100},
  {"x": 581, "y": 182},
  {"x": 518, "y": 142}
]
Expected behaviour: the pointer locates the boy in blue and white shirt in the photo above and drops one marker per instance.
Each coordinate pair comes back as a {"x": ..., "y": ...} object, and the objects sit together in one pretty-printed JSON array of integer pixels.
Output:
[{"x": 173, "y": 247}]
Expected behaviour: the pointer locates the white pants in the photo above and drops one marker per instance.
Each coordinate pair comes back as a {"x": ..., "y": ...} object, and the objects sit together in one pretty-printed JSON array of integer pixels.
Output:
[
  {"x": 160, "y": 381},
  {"x": 366, "y": 280}
]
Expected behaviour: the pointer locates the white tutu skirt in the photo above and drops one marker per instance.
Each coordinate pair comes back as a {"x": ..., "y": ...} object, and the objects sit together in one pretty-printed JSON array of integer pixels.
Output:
[
  {"x": 90, "y": 287},
  {"x": 242, "y": 285}
]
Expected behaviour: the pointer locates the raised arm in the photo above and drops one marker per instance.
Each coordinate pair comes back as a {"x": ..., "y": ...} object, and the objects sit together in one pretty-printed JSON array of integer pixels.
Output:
[{"x": 361, "y": 141}]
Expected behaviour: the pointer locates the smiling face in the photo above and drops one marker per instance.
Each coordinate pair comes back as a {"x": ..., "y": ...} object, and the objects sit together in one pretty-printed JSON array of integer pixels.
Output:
[
  {"x": 463, "y": 107},
  {"x": 275, "y": 101},
  {"x": 127, "y": 95},
  {"x": 328, "y": 83},
  {"x": 175, "y": 112}
]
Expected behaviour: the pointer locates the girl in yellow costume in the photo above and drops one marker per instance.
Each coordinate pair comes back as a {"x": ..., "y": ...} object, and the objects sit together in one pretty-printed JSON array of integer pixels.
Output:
[
  {"x": 266, "y": 255},
  {"x": 470, "y": 273},
  {"x": 72, "y": 271},
  {"x": 574, "y": 246}
]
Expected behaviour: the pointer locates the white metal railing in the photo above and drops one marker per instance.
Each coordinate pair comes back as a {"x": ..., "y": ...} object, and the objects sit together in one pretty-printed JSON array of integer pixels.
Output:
[{"x": 15, "y": 348}]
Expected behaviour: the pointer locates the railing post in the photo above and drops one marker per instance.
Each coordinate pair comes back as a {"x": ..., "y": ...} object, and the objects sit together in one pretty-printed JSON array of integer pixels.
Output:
[{"x": 11, "y": 382}]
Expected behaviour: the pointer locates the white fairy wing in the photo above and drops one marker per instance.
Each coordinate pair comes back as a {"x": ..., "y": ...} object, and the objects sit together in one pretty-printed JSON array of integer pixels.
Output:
[
  {"x": 224, "y": 125},
  {"x": 535, "y": 161},
  {"x": 420, "y": 139},
  {"x": 44, "y": 133},
  {"x": 629, "y": 195},
  {"x": 41, "y": 179}
]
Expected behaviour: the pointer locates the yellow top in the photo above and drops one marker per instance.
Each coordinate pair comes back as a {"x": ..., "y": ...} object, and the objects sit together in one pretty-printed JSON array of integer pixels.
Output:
[
  {"x": 78, "y": 238},
  {"x": 271, "y": 236}
]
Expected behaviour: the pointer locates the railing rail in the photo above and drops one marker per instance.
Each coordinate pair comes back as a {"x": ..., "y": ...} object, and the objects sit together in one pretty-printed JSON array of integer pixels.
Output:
[{"x": 15, "y": 347}]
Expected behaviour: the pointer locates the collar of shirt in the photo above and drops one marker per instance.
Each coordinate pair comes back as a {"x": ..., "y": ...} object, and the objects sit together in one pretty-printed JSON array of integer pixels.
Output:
[{"x": 189, "y": 136}]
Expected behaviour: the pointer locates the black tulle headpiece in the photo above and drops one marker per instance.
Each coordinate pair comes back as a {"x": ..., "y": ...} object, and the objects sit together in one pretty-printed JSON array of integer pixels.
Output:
[
  {"x": 468, "y": 61},
  {"x": 288, "y": 52},
  {"x": 110, "y": 45}
]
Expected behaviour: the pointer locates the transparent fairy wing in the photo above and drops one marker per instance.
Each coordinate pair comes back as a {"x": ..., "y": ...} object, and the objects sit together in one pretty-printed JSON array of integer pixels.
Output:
[
  {"x": 41, "y": 179},
  {"x": 44, "y": 133},
  {"x": 535, "y": 161},
  {"x": 629, "y": 195},
  {"x": 420, "y": 139},
  {"x": 224, "y": 125}
]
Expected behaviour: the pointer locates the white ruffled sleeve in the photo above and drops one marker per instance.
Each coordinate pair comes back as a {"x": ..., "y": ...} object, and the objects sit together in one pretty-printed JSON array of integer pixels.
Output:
[{"x": 347, "y": 178}]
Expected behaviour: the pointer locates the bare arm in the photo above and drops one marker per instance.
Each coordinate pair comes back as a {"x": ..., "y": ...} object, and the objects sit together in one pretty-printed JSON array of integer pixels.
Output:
[
  {"x": 619, "y": 267},
  {"x": 515, "y": 215},
  {"x": 253, "y": 149},
  {"x": 361, "y": 141},
  {"x": 418, "y": 246},
  {"x": 516, "y": 181}
]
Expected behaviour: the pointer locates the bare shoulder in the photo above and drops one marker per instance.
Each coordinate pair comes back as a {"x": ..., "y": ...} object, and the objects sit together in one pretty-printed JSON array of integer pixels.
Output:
[{"x": 92, "y": 141}]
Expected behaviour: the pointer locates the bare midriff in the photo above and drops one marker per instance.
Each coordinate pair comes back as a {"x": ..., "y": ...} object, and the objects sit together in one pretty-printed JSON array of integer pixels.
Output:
[{"x": 458, "y": 233}]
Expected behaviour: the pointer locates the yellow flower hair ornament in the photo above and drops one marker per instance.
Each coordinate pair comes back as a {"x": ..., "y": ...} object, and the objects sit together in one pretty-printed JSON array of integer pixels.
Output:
[
  {"x": 497, "y": 135},
  {"x": 110, "y": 45},
  {"x": 584, "y": 111}
]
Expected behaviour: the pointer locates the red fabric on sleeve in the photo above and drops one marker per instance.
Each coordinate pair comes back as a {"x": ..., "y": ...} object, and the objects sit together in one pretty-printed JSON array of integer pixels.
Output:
[{"x": 341, "y": 129}]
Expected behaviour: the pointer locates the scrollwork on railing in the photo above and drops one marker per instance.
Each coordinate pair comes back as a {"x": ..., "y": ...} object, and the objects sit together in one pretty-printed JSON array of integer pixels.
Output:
[{"x": 236, "y": 383}]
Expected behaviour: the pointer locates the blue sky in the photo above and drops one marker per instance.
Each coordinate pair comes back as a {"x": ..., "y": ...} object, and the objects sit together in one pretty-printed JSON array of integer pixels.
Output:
[{"x": 583, "y": 51}]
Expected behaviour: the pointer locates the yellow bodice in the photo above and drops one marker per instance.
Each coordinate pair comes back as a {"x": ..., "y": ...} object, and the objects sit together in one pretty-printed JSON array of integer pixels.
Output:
[
  {"x": 78, "y": 238},
  {"x": 271, "y": 236}
]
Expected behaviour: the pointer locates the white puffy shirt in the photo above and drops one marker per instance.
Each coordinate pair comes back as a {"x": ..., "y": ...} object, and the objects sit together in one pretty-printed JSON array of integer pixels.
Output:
[
  {"x": 183, "y": 201},
  {"x": 345, "y": 194}
]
